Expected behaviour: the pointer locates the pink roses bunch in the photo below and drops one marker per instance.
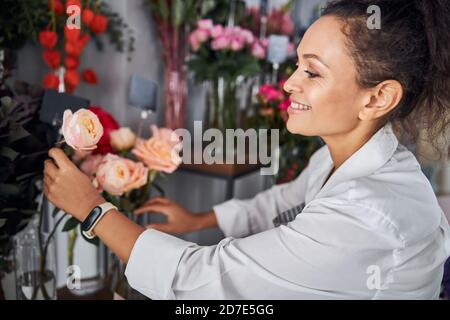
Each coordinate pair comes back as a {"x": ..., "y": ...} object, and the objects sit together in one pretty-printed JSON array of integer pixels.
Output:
[
  {"x": 133, "y": 160},
  {"x": 225, "y": 38},
  {"x": 222, "y": 38},
  {"x": 271, "y": 96}
]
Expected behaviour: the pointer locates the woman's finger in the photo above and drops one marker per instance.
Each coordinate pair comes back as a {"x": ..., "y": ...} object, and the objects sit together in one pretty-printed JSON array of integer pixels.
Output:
[
  {"x": 157, "y": 200},
  {"x": 60, "y": 158},
  {"x": 153, "y": 208},
  {"x": 50, "y": 169}
]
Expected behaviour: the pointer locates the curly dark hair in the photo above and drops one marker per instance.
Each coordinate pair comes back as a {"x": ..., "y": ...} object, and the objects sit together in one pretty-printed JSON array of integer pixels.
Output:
[{"x": 413, "y": 47}]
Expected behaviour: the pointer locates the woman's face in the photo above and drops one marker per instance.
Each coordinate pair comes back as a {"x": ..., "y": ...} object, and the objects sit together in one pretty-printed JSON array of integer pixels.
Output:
[{"x": 325, "y": 81}]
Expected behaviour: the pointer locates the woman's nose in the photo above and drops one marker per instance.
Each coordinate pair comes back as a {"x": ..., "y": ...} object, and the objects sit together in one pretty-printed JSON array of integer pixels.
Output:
[{"x": 292, "y": 85}]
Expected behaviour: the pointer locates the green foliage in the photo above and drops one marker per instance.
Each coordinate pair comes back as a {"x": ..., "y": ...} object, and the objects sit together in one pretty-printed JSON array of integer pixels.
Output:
[
  {"x": 21, "y": 20},
  {"x": 208, "y": 64},
  {"x": 23, "y": 149}
]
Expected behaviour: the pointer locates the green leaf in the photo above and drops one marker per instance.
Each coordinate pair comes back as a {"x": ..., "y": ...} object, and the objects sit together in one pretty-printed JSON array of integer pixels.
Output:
[
  {"x": 8, "y": 190},
  {"x": 163, "y": 9},
  {"x": 70, "y": 224},
  {"x": 9, "y": 153},
  {"x": 177, "y": 13}
]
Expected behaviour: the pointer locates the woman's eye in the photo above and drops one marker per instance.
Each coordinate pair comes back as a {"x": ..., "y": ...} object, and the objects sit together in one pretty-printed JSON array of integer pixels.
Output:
[{"x": 310, "y": 74}]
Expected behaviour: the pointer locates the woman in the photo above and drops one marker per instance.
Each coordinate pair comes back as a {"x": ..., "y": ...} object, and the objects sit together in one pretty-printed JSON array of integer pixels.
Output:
[{"x": 370, "y": 226}]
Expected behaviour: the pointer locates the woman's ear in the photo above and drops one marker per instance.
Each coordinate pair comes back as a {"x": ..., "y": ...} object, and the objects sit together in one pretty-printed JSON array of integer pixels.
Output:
[{"x": 382, "y": 99}]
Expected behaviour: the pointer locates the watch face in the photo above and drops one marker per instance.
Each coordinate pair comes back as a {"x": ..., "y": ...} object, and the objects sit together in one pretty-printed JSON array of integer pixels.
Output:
[
  {"x": 96, "y": 211},
  {"x": 91, "y": 218}
]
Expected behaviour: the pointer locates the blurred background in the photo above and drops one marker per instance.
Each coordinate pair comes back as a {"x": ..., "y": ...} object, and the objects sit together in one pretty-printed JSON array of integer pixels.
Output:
[{"x": 141, "y": 62}]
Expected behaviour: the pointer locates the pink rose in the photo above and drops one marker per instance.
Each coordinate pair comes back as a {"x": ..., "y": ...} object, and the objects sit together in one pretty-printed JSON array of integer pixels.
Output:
[
  {"x": 217, "y": 31},
  {"x": 287, "y": 25},
  {"x": 205, "y": 24},
  {"x": 194, "y": 42},
  {"x": 197, "y": 37},
  {"x": 117, "y": 175},
  {"x": 258, "y": 51},
  {"x": 221, "y": 43},
  {"x": 161, "y": 151},
  {"x": 202, "y": 35},
  {"x": 90, "y": 165},
  {"x": 248, "y": 36},
  {"x": 237, "y": 43},
  {"x": 269, "y": 93},
  {"x": 82, "y": 130},
  {"x": 122, "y": 139},
  {"x": 284, "y": 105}
]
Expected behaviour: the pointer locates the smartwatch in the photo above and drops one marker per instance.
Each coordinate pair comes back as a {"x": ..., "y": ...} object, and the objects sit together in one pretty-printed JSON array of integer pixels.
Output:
[{"x": 94, "y": 217}]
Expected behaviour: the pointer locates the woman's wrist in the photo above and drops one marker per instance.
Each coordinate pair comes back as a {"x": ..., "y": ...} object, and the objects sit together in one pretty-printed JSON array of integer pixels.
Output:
[
  {"x": 205, "y": 220},
  {"x": 86, "y": 208}
]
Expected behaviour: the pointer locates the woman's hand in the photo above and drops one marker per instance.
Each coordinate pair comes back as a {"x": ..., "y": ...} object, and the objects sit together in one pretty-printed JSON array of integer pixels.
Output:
[
  {"x": 67, "y": 187},
  {"x": 179, "y": 219}
]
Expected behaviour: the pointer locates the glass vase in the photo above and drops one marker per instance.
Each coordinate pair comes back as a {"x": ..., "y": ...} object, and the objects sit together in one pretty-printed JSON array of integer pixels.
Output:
[
  {"x": 175, "y": 98},
  {"x": 35, "y": 262},
  {"x": 222, "y": 104}
]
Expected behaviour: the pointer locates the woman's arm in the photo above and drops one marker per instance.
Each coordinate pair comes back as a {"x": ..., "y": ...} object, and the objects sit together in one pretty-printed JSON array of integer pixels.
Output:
[{"x": 72, "y": 191}]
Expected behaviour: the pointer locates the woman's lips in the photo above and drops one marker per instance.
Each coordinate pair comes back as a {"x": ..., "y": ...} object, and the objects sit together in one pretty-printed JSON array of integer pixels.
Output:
[{"x": 296, "y": 107}]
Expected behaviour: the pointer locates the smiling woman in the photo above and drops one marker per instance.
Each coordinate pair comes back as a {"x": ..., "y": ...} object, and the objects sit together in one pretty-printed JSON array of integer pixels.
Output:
[{"x": 360, "y": 222}]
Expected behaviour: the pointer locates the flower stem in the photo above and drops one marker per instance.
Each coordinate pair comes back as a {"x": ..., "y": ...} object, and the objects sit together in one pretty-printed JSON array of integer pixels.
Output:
[{"x": 73, "y": 236}]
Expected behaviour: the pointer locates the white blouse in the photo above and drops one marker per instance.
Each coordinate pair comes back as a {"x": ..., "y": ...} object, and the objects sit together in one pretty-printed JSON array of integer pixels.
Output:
[{"x": 373, "y": 231}]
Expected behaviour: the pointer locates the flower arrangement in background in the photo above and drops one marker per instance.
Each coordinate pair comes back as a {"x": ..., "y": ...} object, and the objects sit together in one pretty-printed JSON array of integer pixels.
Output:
[
  {"x": 63, "y": 46},
  {"x": 220, "y": 51},
  {"x": 279, "y": 20}
]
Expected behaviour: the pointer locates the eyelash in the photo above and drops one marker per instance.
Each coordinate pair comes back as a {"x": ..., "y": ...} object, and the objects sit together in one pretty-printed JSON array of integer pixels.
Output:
[{"x": 309, "y": 73}]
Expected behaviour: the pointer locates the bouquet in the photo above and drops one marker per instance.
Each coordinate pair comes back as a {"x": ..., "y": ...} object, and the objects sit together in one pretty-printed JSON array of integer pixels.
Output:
[{"x": 122, "y": 166}]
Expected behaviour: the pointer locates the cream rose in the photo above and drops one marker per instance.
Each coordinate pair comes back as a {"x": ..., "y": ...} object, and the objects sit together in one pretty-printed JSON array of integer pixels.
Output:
[
  {"x": 161, "y": 151},
  {"x": 117, "y": 175},
  {"x": 82, "y": 130},
  {"x": 122, "y": 139}
]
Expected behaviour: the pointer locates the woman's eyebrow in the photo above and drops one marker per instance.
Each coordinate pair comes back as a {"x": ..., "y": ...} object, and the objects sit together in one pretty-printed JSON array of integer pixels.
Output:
[{"x": 314, "y": 56}]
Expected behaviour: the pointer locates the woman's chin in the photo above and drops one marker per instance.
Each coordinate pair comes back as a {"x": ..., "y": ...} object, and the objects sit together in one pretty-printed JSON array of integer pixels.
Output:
[{"x": 296, "y": 128}]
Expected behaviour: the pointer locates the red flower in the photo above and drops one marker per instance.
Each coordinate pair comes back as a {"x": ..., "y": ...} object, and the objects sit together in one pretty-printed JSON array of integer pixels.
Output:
[
  {"x": 109, "y": 124},
  {"x": 48, "y": 39},
  {"x": 71, "y": 62},
  {"x": 284, "y": 105},
  {"x": 50, "y": 81},
  {"x": 90, "y": 76},
  {"x": 72, "y": 35},
  {"x": 52, "y": 58},
  {"x": 99, "y": 24},
  {"x": 281, "y": 83},
  {"x": 84, "y": 39},
  {"x": 270, "y": 93},
  {"x": 73, "y": 49},
  {"x": 72, "y": 78},
  {"x": 57, "y": 5},
  {"x": 87, "y": 16},
  {"x": 73, "y": 3}
]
